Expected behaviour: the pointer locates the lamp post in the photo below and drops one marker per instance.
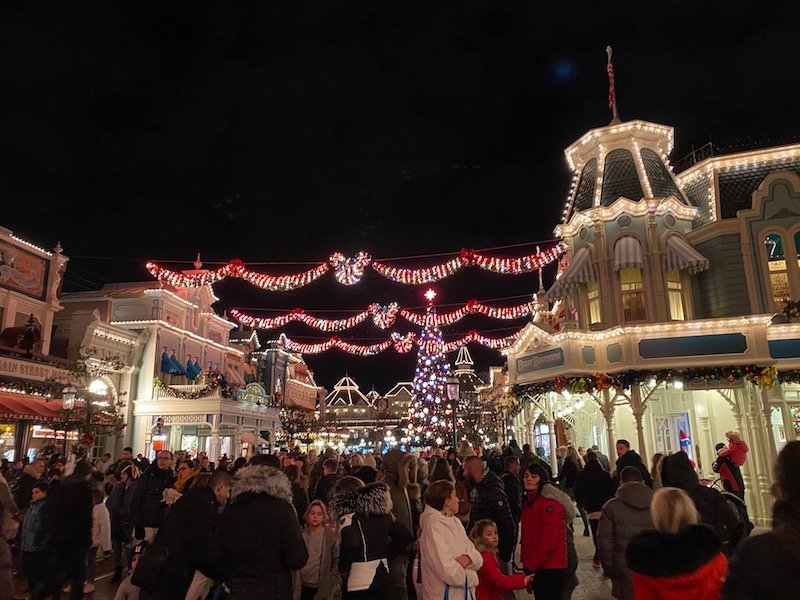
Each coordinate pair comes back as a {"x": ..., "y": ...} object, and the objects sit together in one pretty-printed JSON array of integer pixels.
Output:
[
  {"x": 453, "y": 395},
  {"x": 68, "y": 396}
]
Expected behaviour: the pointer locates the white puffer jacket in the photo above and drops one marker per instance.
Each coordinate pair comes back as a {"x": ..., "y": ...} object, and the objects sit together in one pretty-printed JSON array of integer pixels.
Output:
[{"x": 443, "y": 539}]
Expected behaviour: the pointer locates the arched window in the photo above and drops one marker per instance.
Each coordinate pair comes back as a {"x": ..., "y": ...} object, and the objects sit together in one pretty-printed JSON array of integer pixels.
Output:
[{"x": 776, "y": 267}]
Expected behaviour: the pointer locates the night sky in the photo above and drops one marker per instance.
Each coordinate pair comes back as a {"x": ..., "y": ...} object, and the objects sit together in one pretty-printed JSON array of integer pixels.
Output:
[{"x": 282, "y": 132}]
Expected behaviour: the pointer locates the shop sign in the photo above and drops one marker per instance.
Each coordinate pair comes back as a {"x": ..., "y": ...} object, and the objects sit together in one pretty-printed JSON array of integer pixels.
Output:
[
  {"x": 11, "y": 367},
  {"x": 252, "y": 392},
  {"x": 22, "y": 271},
  {"x": 540, "y": 361}
]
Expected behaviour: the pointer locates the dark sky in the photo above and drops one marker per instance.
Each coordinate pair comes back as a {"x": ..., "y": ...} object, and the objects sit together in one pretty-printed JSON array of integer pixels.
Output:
[{"x": 279, "y": 131}]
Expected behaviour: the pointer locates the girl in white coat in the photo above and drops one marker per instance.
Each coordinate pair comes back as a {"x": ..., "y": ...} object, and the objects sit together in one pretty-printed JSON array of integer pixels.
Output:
[{"x": 449, "y": 562}]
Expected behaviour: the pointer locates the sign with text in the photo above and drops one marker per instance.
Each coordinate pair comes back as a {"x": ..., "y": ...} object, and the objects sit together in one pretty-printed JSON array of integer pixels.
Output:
[
  {"x": 540, "y": 361},
  {"x": 252, "y": 392},
  {"x": 22, "y": 369}
]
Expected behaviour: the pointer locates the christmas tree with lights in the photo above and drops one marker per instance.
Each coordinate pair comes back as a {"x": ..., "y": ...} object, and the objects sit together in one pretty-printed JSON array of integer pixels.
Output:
[{"x": 430, "y": 416}]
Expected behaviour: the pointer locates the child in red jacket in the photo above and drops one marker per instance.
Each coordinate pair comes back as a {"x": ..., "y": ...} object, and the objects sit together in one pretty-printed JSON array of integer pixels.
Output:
[{"x": 491, "y": 581}]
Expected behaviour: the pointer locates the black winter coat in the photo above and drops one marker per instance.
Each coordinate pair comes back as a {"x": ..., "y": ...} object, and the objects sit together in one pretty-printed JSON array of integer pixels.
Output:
[
  {"x": 71, "y": 525},
  {"x": 186, "y": 532},
  {"x": 258, "y": 541},
  {"x": 368, "y": 532},
  {"x": 765, "y": 566},
  {"x": 489, "y": 501},
  {"x": 22, "y": 489},
  {"x": 632, "y": 459},
  {"x": 119, "y": 509},
  {"x": 147, "y": 506},
  {"x": 593, "y": 487},
  {"x": 514, "y": 494},
  {"x": 568, "y": 475},
  {"x": 714, "y": 509}
]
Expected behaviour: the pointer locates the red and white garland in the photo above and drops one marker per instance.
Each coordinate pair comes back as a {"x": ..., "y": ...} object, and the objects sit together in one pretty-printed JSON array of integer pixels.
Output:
[
  {"x": 349, "y": 271},
  {"x": 384, "y": 316},
  {"x": 402, "y": 344}
]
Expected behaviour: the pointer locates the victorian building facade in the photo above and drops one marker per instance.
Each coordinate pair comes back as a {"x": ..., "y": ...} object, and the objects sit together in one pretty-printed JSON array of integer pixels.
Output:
[{"x": 673, "y": 292}]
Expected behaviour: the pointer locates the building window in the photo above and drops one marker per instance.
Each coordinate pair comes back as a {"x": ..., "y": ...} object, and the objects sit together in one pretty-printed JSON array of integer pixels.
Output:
[
  {"x": 632, "y": 295},
  {"x": 776, "y": 267},
  {"x": 675, "y": 296},
  {"x": 797, "y": 246},
  {"x": 593, "y": 302}
]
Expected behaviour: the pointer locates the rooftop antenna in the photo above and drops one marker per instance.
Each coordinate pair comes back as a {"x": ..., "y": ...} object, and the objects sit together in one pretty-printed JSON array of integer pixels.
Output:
[{"x": 612, "y": 94}]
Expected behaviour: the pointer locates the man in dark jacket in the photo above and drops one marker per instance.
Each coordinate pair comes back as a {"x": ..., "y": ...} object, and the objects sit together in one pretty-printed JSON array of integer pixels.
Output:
[
  {"x": 186, "y": 532},
  {"x": 623, "y": 517},
  {"x": 630, "y": 458},
  {"x": 715, "y": 511},
  {"x": 330, "y": 476},
  {"x": 601, "y": 458},
  {"x": 147, "y": 506},
  {"x": 511, "y": 485},
  {"x": 258, "y": 542},
  {"x": 489, "y": 501}
]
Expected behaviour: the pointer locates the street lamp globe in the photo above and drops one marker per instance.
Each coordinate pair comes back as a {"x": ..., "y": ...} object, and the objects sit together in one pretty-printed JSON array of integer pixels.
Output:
[
  {"x": 68, "y": 395},
  {"x": 452, "y": 388}
]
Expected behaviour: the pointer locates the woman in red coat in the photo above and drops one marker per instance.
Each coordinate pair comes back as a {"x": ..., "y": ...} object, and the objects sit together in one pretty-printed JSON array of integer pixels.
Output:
[
  {"x": 682, "y": 559},
  {"x": 543, "y": 536}
]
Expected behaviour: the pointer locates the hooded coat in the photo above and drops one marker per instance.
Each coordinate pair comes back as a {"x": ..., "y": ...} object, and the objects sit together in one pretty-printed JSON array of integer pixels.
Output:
[
  {"x": 623, "y": 517},
  {"x": 715, "y": 511},
  {"x": 543, "y": 535},
  {"x": 370, "y": 537},
  {"x": 443, "y": 539},
  {"x": 687, "y": 566},
  {"x": 258, "y": 540},
  {"x": 765, "y": 566}
]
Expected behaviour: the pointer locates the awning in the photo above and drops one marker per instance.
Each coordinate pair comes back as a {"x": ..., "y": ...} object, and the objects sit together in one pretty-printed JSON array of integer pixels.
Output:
[
  {"x": 579, "y": 270},
  {"x": 681, "y": 256},
  {"x": 628, "y": 254},
  {"x": 19, "y": 407}
]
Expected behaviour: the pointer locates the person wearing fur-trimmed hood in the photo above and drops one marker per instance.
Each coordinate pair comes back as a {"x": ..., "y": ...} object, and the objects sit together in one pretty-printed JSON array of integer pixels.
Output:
[
  {"x": 258, "y": 542},
  {"x": 370, "y": 538}
]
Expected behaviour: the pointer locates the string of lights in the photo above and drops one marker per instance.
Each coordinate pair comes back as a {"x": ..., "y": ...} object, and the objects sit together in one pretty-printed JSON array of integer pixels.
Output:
[
  {"x": 384, "y": 316},
  {"x": 350, "y": 270}
]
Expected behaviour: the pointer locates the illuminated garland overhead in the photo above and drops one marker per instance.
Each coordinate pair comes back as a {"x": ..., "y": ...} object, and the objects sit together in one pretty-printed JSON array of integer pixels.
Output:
[
  {"x": 402, "y": 344},
  {"x": 349, "y": 271},
  {"x": 383, "y": 316},
  {"x": 765, "y": 377}
]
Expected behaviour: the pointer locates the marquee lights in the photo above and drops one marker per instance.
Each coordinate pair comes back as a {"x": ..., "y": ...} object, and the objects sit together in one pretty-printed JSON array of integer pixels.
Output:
[
  {"x": 383, "y": 317},
  {"x": 350, "y": 271},
  {"x": 401, "y": 344}
]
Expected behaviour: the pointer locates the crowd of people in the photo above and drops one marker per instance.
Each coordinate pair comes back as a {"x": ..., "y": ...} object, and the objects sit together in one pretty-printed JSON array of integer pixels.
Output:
[{"x": 443, "y": 523}]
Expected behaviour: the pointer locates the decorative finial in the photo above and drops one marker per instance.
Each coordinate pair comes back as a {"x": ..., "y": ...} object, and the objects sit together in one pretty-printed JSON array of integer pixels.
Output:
[
  {"x": 612, "y": 94},
  {"x": 197, "y": 262},
  {"x": 57, "y": 249}
]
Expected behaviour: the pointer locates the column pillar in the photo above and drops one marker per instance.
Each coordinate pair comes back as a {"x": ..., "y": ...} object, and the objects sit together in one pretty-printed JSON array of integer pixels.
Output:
[
  {"x": 551, "y": 428},
  {"x": 607, "y": 408},
  {"x": 759, "y": 458},
  {"x": 638, "y": 412},
  {"x": 213, "y": 449}
]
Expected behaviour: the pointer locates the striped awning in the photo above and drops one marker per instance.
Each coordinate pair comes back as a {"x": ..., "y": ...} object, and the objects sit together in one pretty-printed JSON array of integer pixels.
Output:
[
  {"x": 628, "y": 254},
  {"x": 681, "y": 256},
  {"x": 580, "y": 270}
]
